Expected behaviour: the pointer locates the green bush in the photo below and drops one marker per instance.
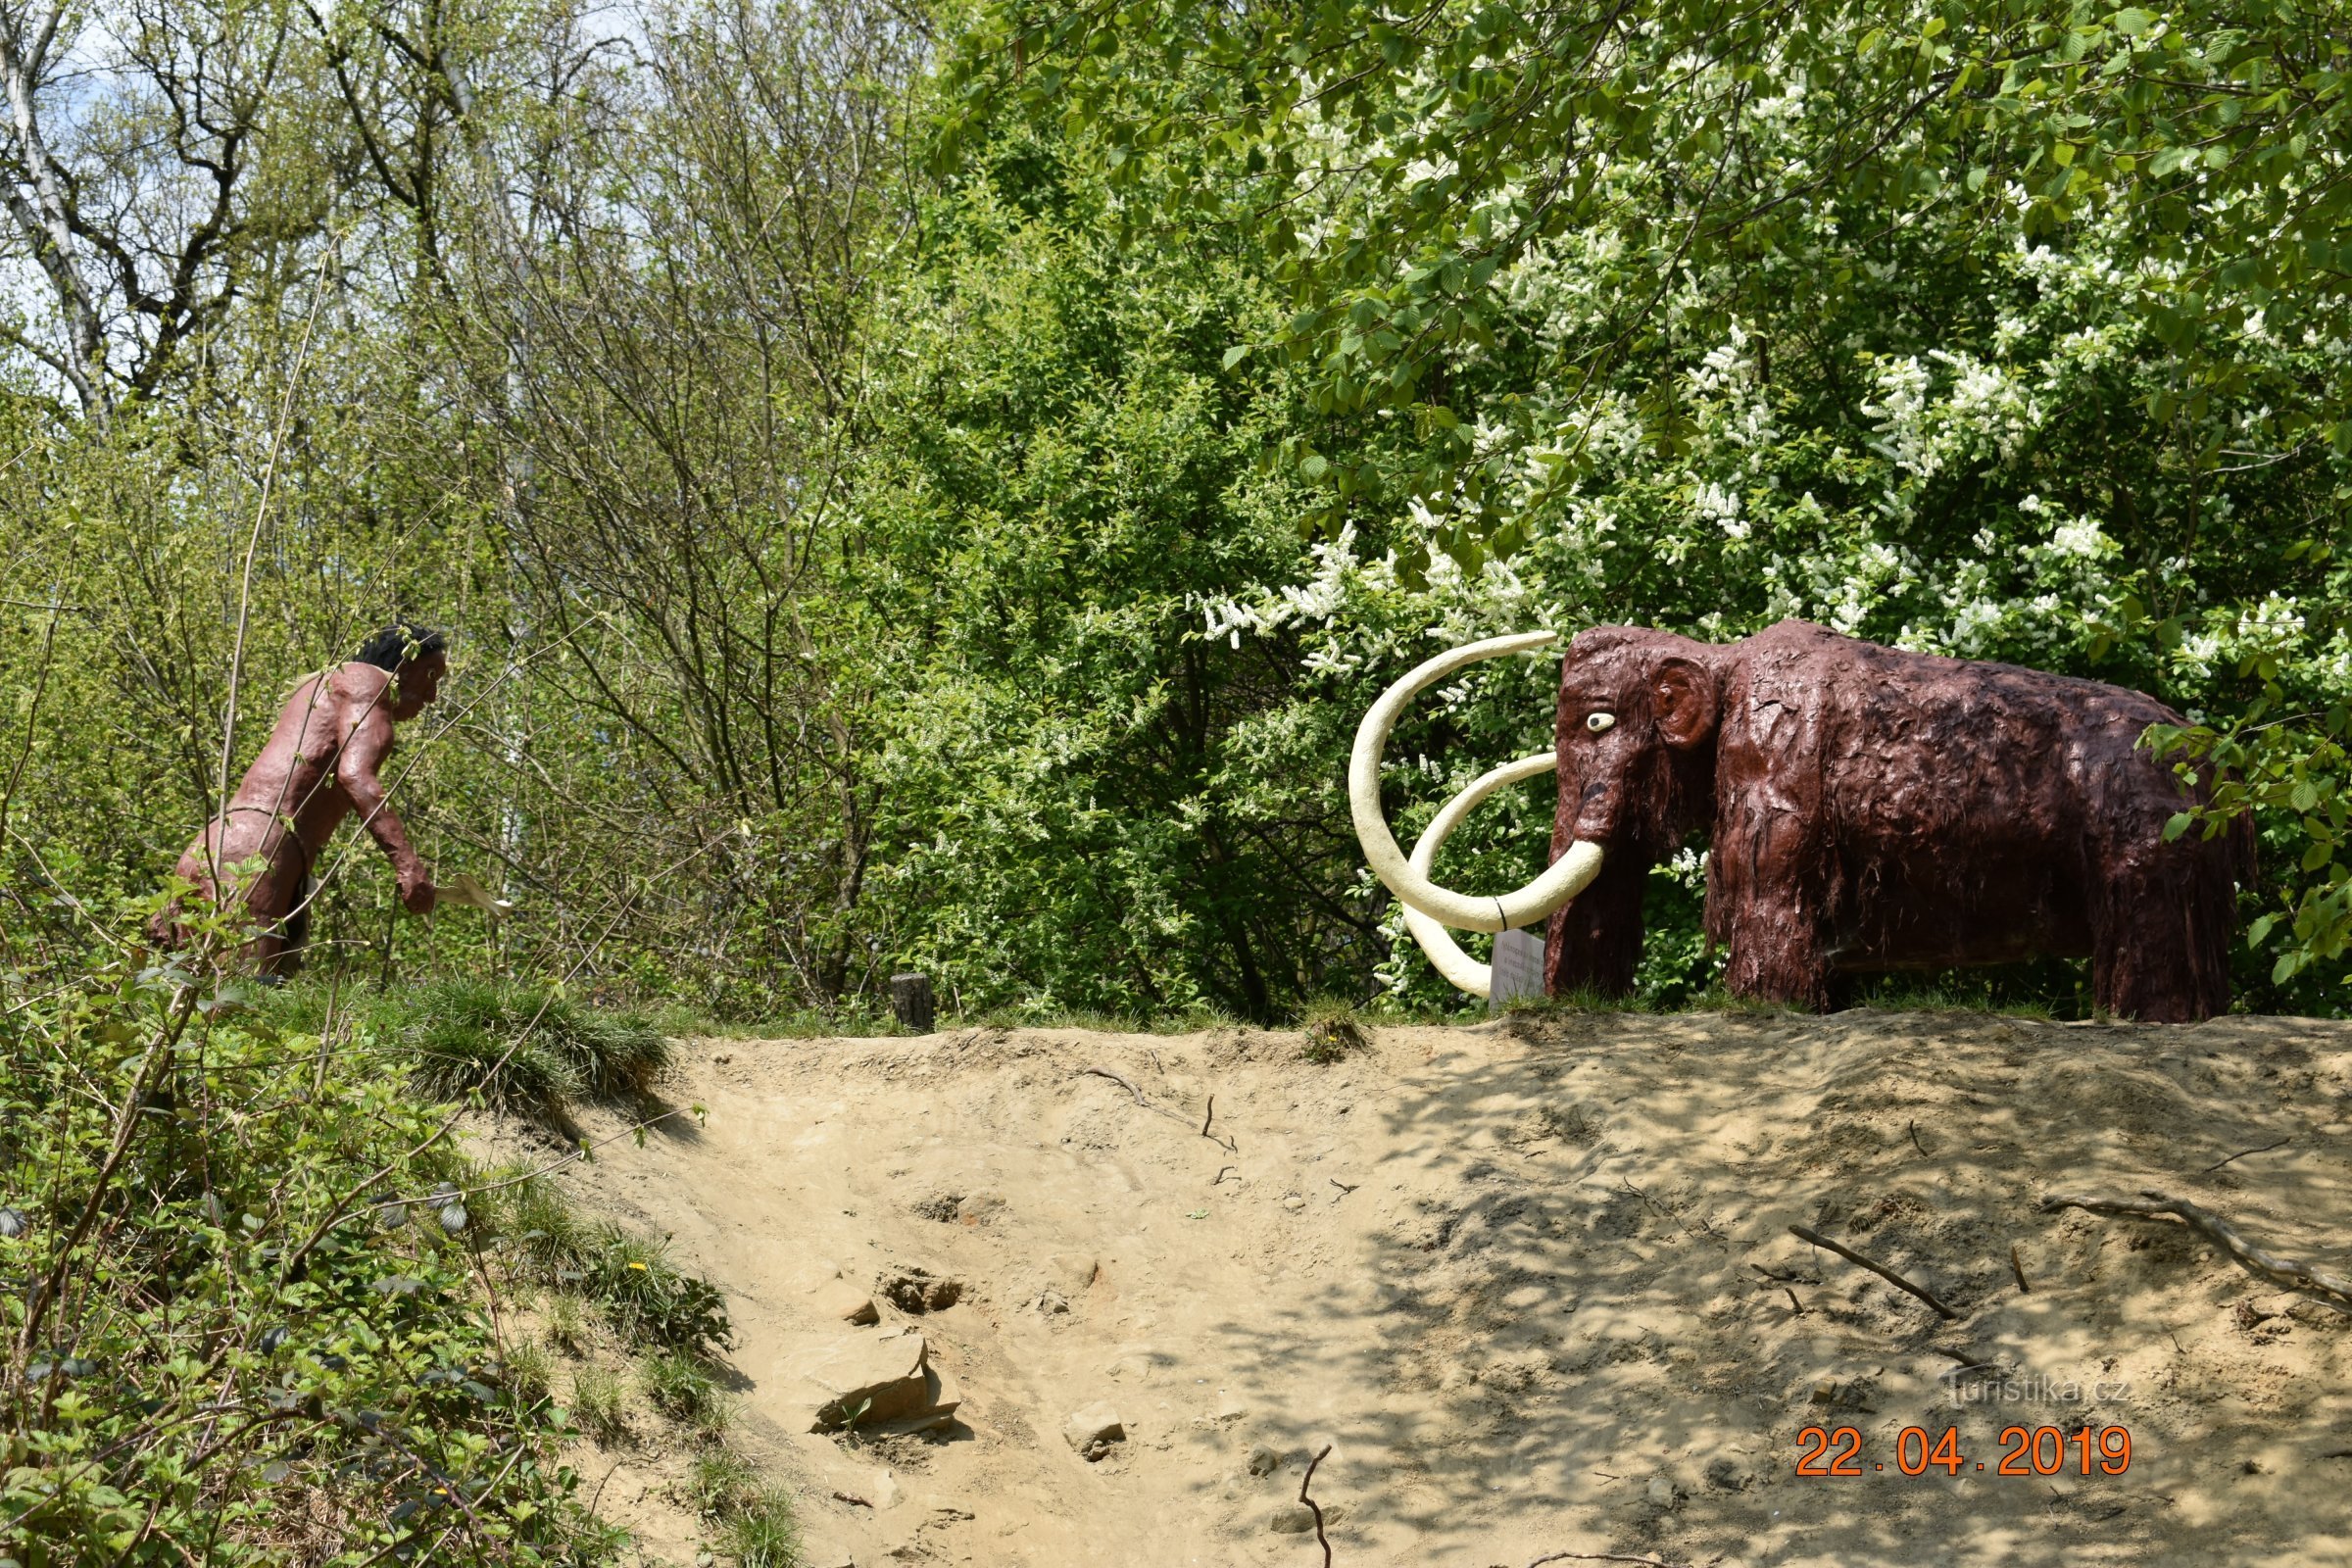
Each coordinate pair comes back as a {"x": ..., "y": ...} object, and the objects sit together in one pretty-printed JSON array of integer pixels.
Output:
[{"x": 254, "y": 1292}]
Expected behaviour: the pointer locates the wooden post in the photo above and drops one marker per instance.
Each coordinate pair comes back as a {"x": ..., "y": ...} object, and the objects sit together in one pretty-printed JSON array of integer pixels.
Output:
[{"x": 910, "y": 999}]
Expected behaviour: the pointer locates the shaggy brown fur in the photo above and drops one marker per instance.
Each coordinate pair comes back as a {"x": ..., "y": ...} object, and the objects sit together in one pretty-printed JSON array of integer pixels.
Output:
[{"x": 1872, "y": 810}]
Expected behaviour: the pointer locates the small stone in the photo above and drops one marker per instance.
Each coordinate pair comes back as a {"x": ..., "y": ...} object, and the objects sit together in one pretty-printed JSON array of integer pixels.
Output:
[
  {"x": 1292, "y": 1519},
  {"x": 844, "y": 1303},
  {"x": 979, "y": 1208},
  {"x": 813, "y": 1276},
  {"x": 1053, "y": 1302},
  {"x": 1293, "y": 1203},
  {"x": 1093, "y": 1430},
  {"x": 1662, "y": 1493},
  {"x": 865, "y": 1381},
  {"x": 1072, "y": 1273},
  {"x": 1824, "y": 1391},
  {"x": 1264, "y": 1461},
  {"x": 719, "y": 1058}
]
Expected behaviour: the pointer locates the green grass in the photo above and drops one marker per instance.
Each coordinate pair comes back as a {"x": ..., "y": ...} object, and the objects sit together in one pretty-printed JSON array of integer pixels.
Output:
[
  {"x": 1715, "y": 999},
  {"x": 522, "y": 1048},
  {"x": 567, "y": 1323},
  {"x": 1951, "y": 998},
  {"x": 648, "y": 1301},
  {"x": 1335, "y": 1028},
  {"x": 764, "y": 1533},
  {"x": 724, "y": 1482},
  {"x": 682, "y": 1386},
  {"x": 1580, "y": 1002},
  {"x": 526, "y": 1372},
  {"x": 600, "y": 1403},
  {"x": 756, "y": 1523}
]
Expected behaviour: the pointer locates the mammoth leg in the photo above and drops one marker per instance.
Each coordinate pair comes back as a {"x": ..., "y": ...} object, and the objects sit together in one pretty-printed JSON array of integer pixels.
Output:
[
  {"x": 1763, "y": 906},
  {"x": 1596, "y": 943},
  {"x": 1776, "y": 954},
  {"x": 2160, "y": 939}
]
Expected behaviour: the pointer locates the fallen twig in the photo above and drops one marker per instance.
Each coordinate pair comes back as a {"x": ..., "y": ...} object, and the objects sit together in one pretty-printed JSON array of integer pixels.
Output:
[
  {"x": 1793, "y": 1302},
  {"x": 1123, "y": 1083},
  {"x": 2018, "y": 1269},
  {"x": 2335, "y": 1288},
  {"x": 1228, "y": 1144},
  {"x": 2242, "y": 1154},
  {"x": 1221, "y": 1171},
  {"x": 1705, "y": 1227},
  {"x": 1120, "y": 1080},
  {"x": 1874, "y": 1266},
  {"x": 1343, "y": 1186},
  {"x": 1786, "y": 1277},
  {"x": 1313, "y": 1506},
  {"x": 1600, "y": 1556},
  {"x": 1913, "y": 1129}
]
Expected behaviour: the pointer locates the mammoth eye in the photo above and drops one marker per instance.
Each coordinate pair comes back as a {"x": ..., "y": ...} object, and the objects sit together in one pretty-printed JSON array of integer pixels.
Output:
[{"x": 1597, "y": 723}]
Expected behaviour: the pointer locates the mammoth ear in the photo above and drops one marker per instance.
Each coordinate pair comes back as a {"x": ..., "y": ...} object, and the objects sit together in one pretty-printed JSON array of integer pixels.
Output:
[{"x": 1682, "y": 691}]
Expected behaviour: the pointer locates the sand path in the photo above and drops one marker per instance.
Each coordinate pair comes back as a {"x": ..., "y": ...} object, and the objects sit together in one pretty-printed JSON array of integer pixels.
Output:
[{"x": 1532, "y": 1282}]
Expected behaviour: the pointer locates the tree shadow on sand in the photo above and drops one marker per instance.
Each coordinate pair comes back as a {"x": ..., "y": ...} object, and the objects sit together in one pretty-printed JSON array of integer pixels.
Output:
[{"x": 1583, "y": 1324}]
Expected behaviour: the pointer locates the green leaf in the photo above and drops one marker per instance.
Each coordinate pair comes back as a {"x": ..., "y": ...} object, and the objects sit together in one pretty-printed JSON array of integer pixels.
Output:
[
  {"x": 2177, "y": 824},
  {"x": 1235, "y": 355}
]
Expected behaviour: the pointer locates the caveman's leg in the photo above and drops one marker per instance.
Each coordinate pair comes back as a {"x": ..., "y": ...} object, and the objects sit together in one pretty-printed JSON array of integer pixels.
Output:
[
  {"x": 1594, "y": 943},
  {"x": 293, "y": 935},
  {"x": 2160, "y": 936},
  {"x": 257, "y": 872}
]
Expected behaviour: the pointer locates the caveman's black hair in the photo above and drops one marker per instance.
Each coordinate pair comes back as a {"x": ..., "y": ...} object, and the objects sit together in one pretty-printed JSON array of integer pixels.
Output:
[{"x": 401, "y": 642}]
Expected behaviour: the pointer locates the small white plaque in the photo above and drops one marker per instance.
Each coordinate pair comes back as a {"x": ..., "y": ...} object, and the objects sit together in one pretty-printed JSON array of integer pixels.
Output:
[{"x": 1518, "y": 969}]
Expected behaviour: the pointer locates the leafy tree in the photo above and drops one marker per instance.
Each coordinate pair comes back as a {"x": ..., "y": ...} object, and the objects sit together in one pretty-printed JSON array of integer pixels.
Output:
[{"x": 2013, "y": 331}]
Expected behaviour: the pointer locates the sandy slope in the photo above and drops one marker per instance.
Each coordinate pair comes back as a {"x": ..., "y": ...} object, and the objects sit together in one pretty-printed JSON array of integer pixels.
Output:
[{"x": 1516, "y": 1274}]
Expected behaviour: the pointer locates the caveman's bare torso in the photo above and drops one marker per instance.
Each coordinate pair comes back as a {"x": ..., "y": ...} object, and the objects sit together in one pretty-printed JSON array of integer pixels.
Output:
[{"x": 320, "y": 765}]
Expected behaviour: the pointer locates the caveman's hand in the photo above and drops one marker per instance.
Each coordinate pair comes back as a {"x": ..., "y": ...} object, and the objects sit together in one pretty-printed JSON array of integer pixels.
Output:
[{"x": 416, "y": 891}]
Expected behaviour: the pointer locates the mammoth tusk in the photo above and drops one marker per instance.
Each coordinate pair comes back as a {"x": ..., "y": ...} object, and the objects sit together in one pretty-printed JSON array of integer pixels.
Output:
[
  {"x": 1462, "y": 971},
  {"x": 1568, "y": 876}
]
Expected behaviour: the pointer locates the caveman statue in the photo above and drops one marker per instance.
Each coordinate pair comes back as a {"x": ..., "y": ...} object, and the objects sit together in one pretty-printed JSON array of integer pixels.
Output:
[
  {"x": 1867, "y": 810},
  {"x": 320, "y": 763}
]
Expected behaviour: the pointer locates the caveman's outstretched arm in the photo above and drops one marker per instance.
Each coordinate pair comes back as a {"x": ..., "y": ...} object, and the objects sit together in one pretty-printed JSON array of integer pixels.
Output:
[{"x": 357, "y": 771}]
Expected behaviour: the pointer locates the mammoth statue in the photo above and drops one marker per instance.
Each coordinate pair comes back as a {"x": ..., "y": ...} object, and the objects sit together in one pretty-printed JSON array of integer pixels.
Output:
[{"x": 1867, "y": 810}]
